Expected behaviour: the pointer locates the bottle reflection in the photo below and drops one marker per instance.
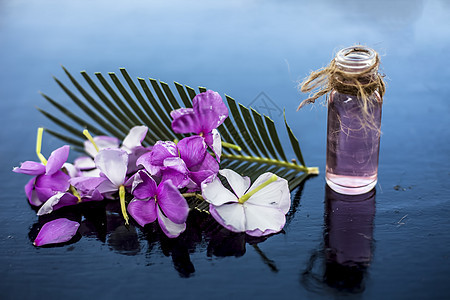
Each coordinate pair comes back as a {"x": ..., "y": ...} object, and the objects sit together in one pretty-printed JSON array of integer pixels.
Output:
[{"x": 348, "y": 239}]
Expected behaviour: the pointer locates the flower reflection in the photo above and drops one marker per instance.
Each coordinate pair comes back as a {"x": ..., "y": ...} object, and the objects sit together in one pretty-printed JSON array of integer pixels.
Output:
[
  {"x": 103, "y": 221},
  {"x": 348, "y": 243}
]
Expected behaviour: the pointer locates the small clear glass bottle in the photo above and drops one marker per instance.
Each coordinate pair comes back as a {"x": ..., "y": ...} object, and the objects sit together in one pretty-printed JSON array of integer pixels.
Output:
[{"x": 353, "y": 130}]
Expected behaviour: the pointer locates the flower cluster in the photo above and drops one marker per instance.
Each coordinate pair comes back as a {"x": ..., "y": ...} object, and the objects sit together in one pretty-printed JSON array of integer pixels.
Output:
[{"x": 158, "y": 178}]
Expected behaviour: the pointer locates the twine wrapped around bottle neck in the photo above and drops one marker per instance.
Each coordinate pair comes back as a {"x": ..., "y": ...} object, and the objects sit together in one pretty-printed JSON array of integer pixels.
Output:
[{"x": 361, "y": 84}]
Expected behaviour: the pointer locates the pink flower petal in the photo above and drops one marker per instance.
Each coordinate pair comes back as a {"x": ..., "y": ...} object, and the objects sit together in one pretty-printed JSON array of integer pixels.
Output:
[
  {"x": 134, "y": 138},
  {"x": 102, "y": 142},
  {"x": 106, "y": 186},
  {"x": 215, "y": 193},
  {"x": 56, "y": 231},
  {"x": 171, "y": 229},
  {"x": 133, "y": 156},
  {"x": 57, "y": 160},
  {"x": 113, "y": 164},
  {"x": 71, "y": 170},
  {"x": 57, "y": 201},
  {"x": 192, "y": 150},
  {"x": 30, "y": 168},
  {"x": 57, "y": 182},
  {"x": 172, "y": 202},
  {"x": 153, "y": 161},
  {"x": 208, "y": 163},
  {"x": 238, "y": 183},
  {"x": 210, "y": 109},
  {"x": 216, "y": 145},
  {"x": 43, "y": 194},
  {"x": 175, "y": 170},
  {"x": 143, "y": 211},
  {"x": 263, "y": 220},
  {"x": 276, "y": 194},
  {"x": 31, "y": 193},
  {"x": 144, "y": 186},
  {"x": 230, "y": 216},
  {"x": 84, "y": 163},
  {"x": 86, "y": 184},
  {"x": 185, "y": 120}
]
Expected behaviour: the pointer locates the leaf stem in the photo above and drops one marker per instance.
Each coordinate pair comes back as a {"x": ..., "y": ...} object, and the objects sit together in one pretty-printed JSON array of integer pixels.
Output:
[
  {"x": 187, "y": 195},
  {"x": 261, "y": 160},
  {"x": 232, "y": 146}
]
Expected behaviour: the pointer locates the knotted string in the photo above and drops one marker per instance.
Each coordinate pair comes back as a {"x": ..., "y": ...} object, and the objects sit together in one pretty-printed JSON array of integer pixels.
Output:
[{"x": 361, "y": 84}]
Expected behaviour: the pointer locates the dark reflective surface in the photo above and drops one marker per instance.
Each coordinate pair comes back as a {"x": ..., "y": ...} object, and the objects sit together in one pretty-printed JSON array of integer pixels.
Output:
[
  {"x": 347, "y": 244},
  {"x": 241, "y": 49}
]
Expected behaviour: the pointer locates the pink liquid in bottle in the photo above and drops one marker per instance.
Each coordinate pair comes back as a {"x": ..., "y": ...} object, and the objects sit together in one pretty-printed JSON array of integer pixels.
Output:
[{"x": 352, "y": 144}]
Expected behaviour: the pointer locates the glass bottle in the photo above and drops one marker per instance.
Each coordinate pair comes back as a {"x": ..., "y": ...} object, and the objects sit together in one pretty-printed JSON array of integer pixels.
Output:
[{"x": 353, "y": 130}]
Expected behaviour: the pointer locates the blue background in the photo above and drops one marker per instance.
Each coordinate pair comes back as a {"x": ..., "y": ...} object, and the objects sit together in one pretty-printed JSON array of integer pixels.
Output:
[{"x": 238, "y": 48}]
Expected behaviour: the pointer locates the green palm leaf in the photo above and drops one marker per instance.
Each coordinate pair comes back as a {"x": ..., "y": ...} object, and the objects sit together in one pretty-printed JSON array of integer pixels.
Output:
[{"x": 112, "y": 109}]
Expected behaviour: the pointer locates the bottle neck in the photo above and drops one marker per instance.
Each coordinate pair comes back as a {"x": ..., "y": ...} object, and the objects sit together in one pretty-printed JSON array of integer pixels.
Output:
[{"x": 357, "y": 59}]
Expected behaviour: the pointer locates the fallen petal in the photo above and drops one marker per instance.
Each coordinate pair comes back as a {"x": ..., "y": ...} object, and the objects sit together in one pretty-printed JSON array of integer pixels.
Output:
[{"x": 56, "y": 231}]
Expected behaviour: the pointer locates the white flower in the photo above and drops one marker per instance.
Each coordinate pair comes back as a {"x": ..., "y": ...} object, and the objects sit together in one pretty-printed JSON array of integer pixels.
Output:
[{"x": 258, "y": 210}]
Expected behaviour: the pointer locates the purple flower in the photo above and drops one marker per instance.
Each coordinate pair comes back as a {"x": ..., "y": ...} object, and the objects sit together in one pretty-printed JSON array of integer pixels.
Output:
[
  {"x": 153, "y": 161},
  {"x": 56, "y": 231},
  {"x": 132, "y": 144},
  {"x": 57, "y": 201},
  {"x": 102, "y": 142},
  {"x": 207, "y": 113},
  {"x": 112, "y": 164},
  {"x": 83, "y": 189},
  {"x": 49, "y": 178},
  {"x": 163, "y": 202},
  {"x": 257, "y": 210},
  {"x": 187, "y": 163}
]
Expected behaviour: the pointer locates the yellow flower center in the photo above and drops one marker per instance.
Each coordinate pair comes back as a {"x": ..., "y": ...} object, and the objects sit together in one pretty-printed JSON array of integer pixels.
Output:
[
  {"x": 39, "y": 146},
  {"x": 89, "y": 137},
  {"x": 245, "y": 197}
]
